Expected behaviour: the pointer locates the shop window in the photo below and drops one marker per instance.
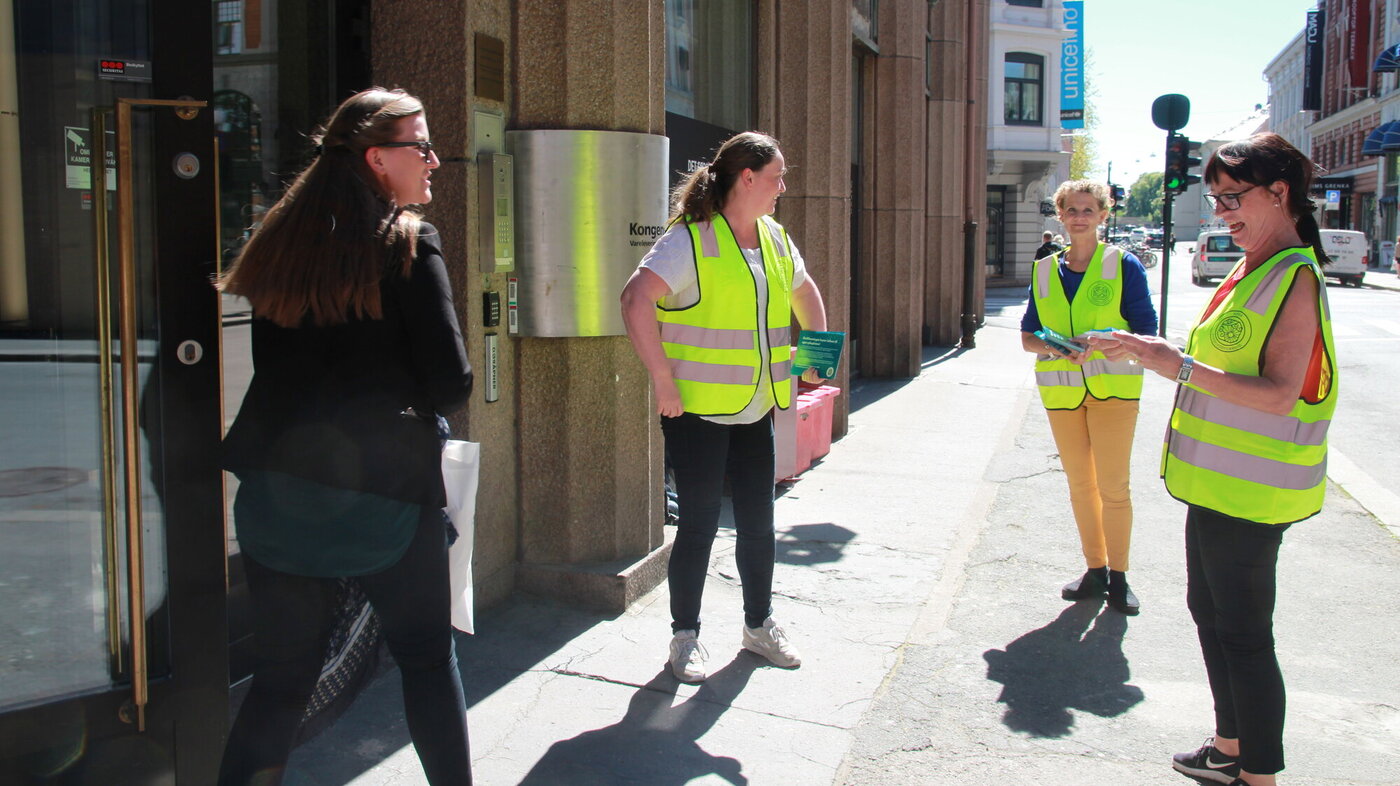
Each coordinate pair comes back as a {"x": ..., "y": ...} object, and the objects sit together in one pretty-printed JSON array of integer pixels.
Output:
[
  {"x": 709, "y": 61},
  {"x": 228, "y": 30},
  {"x": 1025, "y": 89}
]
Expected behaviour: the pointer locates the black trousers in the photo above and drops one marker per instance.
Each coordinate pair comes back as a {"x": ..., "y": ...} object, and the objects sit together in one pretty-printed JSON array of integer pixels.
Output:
[
  {"x": 1230, "y": 590},
  {"x": 701, "y": 454},
  {"x": 292, "y": 617}
]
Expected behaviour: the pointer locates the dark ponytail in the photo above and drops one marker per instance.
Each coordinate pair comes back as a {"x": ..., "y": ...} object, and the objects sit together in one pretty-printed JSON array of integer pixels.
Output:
[
  {"x": 1263, "y": 159},
  {"x": 703, "y": 192},
  {"x": 1311, "y": 233}
]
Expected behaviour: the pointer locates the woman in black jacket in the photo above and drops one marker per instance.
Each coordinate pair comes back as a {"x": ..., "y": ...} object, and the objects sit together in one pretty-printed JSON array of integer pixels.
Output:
[{"x": 356, "y": 351}]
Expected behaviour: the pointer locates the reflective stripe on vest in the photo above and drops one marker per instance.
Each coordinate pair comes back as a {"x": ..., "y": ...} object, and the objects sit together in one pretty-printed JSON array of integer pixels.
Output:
[
  {"x": 1241, "y": 461},
  {"x": 713, "y": 344},
  {"x": 1097, "y": 305}
]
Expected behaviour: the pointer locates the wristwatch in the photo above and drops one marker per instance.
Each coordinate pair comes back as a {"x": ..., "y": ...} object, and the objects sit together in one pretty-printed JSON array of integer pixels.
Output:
[{"x": 1183, "y": 374}]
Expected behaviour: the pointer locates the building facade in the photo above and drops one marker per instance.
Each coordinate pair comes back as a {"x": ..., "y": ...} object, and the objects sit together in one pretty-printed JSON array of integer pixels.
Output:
[
  {"x": 1028, "y": 152},
  {"x": 1353, "y": 35},
  {"x": 1284, "y": 75},
  {"x": 121, "y": 366}
]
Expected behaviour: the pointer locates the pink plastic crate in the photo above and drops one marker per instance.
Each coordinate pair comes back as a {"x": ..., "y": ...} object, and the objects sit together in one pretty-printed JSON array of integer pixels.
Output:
[{"x": 814, "y": 410}]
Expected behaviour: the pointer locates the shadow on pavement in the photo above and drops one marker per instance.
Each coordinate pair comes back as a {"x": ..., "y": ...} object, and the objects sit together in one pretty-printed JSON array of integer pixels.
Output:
[
  {"x": 865, "y": 392},
  {"x": 530, "y": 631},
  {"x": 813, "y": 544},
  {"x": 514, "y": 637},
  {"x": 1060, "y": 667},
  {"x": 655, "y": 742}
]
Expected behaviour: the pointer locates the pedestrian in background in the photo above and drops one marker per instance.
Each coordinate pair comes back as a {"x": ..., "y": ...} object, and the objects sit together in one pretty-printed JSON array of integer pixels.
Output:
[
  {"x": 1247, "y": 446},
  {"x": 1048, "y": 245},
  {"x": 356, "y": 351},
  {"x": 1091, "y": 401},
  {"x": 709, "y": 311}
]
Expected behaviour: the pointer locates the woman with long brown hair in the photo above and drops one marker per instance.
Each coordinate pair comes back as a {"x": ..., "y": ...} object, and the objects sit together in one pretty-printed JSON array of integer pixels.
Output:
[{"x": 356, "y": 353}]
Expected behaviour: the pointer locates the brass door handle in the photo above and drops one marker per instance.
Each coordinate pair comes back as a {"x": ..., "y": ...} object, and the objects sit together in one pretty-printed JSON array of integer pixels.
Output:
[{"x": 185, "y": 109}]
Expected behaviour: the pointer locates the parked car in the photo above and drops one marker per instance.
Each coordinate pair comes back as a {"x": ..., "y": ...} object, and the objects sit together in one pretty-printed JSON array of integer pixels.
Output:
[
  {"x": 1349, "y": 251},
  {"x": 1214, "y": 256}
]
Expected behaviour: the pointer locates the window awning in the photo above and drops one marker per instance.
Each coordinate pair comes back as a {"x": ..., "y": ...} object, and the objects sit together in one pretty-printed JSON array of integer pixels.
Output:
[
  {"x": 1388, "y": 60},
  {"x": 1390, "y": 143},
  {"x": 1374, "y": 145}
]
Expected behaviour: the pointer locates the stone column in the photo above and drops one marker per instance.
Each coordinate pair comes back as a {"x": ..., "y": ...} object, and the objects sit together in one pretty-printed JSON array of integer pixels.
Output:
[
  {"x": 811, "y": 117},
  {"x": 590, "y": 449},
  {"x": 893, "y": 216},
  {"x": 438, "y": 68},
  {"x": 947, "y": 121},
  {"x": 975, "y": 142},
  {"x": 957, "y": 173}
]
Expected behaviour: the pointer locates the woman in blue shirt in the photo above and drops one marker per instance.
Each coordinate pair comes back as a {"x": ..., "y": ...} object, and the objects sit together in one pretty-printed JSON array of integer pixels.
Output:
[{"x": 1092, "y": 403}]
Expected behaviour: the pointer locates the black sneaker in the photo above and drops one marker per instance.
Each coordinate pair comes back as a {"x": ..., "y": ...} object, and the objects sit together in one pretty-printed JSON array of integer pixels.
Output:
[
  {"x": 1093, "y": 584},
  {"x": 1207, "y": 763},
  {"x": 1120, "y": 597}
]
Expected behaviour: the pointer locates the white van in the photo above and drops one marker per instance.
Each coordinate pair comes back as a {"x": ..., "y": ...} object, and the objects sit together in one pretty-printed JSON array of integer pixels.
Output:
[
  {"x": 1214, "y": 257},
  {"x": 1349, "y": 251}
]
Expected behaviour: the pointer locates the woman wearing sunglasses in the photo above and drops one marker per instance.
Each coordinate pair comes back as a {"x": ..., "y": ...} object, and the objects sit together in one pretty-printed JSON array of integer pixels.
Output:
[
  {"x": 356, "y": 351},
  {"x": 1247, "y": 446}
]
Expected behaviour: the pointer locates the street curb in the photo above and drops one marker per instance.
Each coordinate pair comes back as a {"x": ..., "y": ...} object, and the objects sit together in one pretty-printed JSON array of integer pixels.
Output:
[{"x": 1380, "y": 502}]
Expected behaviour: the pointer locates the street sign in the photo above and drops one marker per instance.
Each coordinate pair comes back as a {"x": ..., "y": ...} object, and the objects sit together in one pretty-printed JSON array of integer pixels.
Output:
[{"x": 1334, "y": 199}]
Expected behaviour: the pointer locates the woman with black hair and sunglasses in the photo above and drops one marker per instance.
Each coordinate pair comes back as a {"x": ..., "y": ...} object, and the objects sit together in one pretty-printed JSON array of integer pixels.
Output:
[{"x": 1247, "y": 446}]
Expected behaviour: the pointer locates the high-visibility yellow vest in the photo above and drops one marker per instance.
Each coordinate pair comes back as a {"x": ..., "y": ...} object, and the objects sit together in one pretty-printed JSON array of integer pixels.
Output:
[
  {"x": 1237, "y": 460},
  {"x": 1097, "y": 304},
  {"x": 713, "y": 345}
]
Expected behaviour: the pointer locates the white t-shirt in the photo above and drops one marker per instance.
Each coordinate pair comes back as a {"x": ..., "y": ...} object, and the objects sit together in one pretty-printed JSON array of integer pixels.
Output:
[{"x": 673, "y": 259}]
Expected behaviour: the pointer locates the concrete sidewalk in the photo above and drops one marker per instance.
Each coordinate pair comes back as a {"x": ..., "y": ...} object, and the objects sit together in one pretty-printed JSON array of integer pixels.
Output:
[{"x": 919, "y": 573}]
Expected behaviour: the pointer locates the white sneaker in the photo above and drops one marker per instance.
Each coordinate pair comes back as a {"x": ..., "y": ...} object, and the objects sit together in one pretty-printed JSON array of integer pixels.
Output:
[
  {"x": 688, "y": 656},
  {"x": 772, "y": 643}
]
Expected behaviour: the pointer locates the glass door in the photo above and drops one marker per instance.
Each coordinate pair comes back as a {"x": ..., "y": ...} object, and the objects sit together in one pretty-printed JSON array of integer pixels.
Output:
[{"x": 112, "y": 544}]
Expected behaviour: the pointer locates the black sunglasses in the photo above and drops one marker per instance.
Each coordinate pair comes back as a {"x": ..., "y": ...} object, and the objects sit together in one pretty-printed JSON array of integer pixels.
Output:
[{"x": 425, "y": 148}]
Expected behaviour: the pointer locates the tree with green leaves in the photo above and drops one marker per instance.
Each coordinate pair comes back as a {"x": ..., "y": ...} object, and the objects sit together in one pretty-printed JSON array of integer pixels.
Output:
[{"x": 1145, "y": 197}]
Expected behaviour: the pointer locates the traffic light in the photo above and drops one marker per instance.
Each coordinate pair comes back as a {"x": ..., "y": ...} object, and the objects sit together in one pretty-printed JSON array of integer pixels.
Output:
[
  {"x": 1117, "y": 196},
  {"x": 1180, "y": 162}
]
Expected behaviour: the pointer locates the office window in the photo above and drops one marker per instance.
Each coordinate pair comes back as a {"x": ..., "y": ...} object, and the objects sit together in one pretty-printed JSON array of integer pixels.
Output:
[
  {"x": 1024, "y": 87},
  {"x": 228, "y": 30},
  {"x": 709, "y": 61}
]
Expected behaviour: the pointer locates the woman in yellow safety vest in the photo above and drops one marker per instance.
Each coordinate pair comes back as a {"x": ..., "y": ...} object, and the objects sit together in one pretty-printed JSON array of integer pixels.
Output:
[
  {"x": 709, "y": 311},
  {"x": 1247, "y": 446},
  {"x": 1091, "y": 401}
]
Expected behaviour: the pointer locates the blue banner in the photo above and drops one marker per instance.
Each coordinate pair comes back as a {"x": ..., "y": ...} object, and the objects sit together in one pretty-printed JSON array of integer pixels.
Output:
[{"x": 1072, "y": 67}]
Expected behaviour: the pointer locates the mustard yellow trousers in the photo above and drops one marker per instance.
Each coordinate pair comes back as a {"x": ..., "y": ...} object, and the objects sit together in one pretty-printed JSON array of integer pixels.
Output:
[{"x": 1096, "y": 446}]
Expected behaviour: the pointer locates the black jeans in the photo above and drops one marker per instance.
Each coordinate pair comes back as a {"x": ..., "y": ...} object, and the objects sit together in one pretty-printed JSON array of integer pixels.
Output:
[
  {"x": 701, "y": 453},
  {"x": 292, "y": 616},
  {"x": 1230, "y": 589}
]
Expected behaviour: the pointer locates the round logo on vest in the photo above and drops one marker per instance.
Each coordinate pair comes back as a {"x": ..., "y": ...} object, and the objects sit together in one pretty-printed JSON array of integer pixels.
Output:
[
  {"x": 1231, "y": 332},
  {"x": 1100, "y": 293}
]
